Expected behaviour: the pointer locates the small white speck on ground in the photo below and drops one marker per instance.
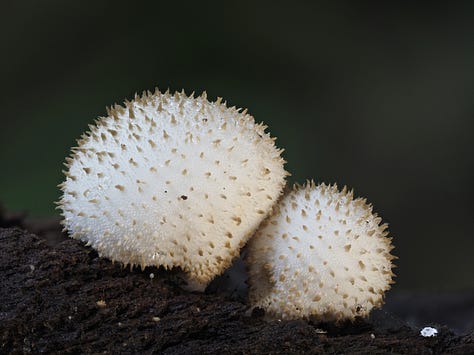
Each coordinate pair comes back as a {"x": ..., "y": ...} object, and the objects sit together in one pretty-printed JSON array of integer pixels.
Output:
[
  {"x": 156, "y": 319},
  {"x": 101, "y": 303},
  {"x": 429, "y": 332},
  {"x": 152, "y": 275},
  {"x": 372, "y": 336}
]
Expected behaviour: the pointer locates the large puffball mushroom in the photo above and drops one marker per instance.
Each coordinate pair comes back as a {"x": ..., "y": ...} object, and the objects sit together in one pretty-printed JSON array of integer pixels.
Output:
[
  {"x": 172, "y": 181},
  {"x": 322, "y": 255}
]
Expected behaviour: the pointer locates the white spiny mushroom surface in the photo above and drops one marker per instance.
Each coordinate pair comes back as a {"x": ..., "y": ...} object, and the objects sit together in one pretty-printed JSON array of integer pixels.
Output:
[
  {"x": 172, "y": 180},
  {"x": 322, "y": 255}
]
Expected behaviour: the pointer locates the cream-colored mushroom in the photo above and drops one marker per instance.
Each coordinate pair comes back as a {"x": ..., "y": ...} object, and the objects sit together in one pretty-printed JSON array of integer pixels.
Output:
[
  {"x": 172, "y": 180},
  {"x": 322, "y": 255}
]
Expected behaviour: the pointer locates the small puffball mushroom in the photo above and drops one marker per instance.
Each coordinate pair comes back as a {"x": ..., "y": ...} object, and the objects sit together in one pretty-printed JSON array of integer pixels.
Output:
[
  {"x": 172, "y": 180},
  {"x": 321, "y": 255}
]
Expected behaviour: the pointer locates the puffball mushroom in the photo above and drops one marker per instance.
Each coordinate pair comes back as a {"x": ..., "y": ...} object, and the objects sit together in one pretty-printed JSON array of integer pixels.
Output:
[
  {"x": 172, "y": 181},
  {"x": 321, "y": 255}
]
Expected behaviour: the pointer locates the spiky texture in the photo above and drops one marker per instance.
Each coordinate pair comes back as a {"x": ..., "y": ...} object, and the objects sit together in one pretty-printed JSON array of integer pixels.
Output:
[
  {"x": 322, "y": 255},
  {"x": 171, "y": 180}
]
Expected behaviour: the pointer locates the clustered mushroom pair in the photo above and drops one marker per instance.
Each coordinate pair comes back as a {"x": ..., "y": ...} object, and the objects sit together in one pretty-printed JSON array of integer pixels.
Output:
[{"x": 178, "y": 181}]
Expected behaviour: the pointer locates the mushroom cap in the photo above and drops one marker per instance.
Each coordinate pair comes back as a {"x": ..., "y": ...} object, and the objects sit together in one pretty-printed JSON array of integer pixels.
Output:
[
  {"x": 173, "y": 181},
  {"x": 321, "y": 255}
]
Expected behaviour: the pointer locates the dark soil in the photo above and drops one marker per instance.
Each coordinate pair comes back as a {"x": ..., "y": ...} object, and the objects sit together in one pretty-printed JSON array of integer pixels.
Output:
[{"x": 58, "y": 296}]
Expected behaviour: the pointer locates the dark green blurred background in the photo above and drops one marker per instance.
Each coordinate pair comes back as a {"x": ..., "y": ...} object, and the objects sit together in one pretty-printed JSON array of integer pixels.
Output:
[{"x": 377, "y": 98}]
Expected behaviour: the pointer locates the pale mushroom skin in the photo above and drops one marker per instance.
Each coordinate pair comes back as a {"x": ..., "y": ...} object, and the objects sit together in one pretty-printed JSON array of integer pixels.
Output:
[
  {"x": 322, "y": 255},
  {"x": 173, "y": 181}
]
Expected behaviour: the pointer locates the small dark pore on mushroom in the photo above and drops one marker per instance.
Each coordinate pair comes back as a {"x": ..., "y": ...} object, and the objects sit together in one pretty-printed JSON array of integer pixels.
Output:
[{"x": 183, "y": 197}]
